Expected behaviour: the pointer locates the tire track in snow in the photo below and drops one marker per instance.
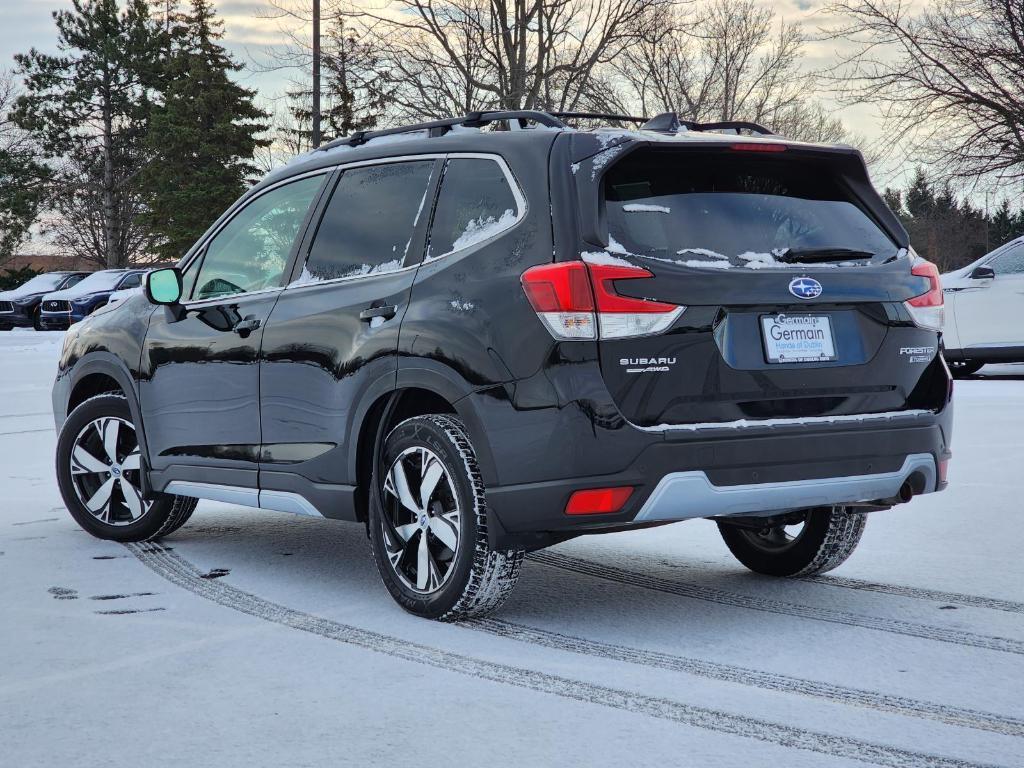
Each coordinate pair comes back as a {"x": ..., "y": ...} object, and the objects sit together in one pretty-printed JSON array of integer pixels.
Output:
[
  {"x": 182, "y": 573},
  {"x": 919, "y": 593},
  {"x": 770, "y": 605},
  {"x": 855, "y": 697}
]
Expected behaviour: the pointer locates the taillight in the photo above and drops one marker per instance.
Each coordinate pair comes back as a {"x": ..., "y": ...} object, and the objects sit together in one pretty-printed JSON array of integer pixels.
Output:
[
  {"x": 928, "y": 308},
  {"x": 758, "y": 147},
  {"x": 576, "y": 300}
]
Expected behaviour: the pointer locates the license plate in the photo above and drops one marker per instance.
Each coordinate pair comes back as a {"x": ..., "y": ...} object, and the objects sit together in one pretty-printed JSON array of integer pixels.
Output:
[{"x": 798, "y": 338}]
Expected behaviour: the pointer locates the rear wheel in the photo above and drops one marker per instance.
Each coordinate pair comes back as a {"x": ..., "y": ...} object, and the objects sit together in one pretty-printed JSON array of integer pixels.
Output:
[
  {"x": 428, "y": 524},
  {"x": 963, "y": 368},
  {"x": 99, "y": 472},
  {"x": 803, "y": 544}
]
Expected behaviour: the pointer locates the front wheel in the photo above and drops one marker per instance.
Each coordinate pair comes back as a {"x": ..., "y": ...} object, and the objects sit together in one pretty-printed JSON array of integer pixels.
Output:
[
  {"x": 804, "y": 544},
  {"x": 428, "y": 524},
  {"x": 99, "y": 472}
]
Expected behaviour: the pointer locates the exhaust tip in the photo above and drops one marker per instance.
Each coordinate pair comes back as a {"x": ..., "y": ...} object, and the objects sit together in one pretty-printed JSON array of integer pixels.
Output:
[{"x": 906, "y": 491}]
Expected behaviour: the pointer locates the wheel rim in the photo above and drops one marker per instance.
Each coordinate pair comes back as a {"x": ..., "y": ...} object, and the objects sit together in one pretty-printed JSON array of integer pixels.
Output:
[
  {"x": 421, "y": 521},
  {"x": 776, "y": 538},
  {"x": 105, "y": 470}
]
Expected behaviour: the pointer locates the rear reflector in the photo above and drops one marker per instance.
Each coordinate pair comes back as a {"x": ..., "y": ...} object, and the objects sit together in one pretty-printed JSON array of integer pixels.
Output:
[
  {"x": 928, "y": 308},
  {"x": 598, "y": 501},
  {"x": 752, "y": 147},
  {"x": 943, "y": 467},
  {"x": 576, "y": 300}
]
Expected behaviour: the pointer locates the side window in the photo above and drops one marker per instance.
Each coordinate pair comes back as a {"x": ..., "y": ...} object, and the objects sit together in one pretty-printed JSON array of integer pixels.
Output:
[
  {"x": 251, "y": 251},
  {"x": 475, "y": 203},
  {"x": 1009, "y": 263},
  {"x": 132, "y": 281},
  {"x": 71, "y": 281},
  {"x": 368, "y": 225}
]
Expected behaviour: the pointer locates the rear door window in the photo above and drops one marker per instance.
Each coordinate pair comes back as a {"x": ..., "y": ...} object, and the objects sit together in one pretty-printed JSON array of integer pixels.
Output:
[
  {"x": 476, "y": 203},
  {"x": 369, "y": 223},
  {"x": 725, "y": 210}
]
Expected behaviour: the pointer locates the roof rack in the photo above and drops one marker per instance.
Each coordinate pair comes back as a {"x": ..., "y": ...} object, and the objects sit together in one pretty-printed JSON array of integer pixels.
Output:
[
  {"x": 441, "y": 127},
  {"x": 667, "y": 122}
]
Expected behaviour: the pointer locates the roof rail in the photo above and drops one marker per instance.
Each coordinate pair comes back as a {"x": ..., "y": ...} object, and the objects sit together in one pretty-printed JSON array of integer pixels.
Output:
[
  {"x": 441, "y": 127},
  {"x": 599, "y": 116},
  {"x": 669, "y": 122}
]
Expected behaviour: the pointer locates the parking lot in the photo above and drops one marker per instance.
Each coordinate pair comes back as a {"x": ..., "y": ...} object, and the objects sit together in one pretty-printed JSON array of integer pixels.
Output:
[{"x": 257, "y": 638}]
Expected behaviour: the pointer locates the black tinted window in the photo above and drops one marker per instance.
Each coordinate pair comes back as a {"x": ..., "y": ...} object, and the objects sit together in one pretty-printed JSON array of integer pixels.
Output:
[
  {"x": 1009, "y": 263},
  {"x": 369, "y": 222},
  {"x": 71, "y": 281},
  {"x": 475, "y": 203},
  {"x": 732, "y": 209}
]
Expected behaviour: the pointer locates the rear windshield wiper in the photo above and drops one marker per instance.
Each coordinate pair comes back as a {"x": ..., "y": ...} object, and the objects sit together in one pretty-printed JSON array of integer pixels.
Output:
[{"x": 812, "y": 255}]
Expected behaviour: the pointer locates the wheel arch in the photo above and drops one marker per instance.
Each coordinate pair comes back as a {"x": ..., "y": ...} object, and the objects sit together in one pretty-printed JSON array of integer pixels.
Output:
[
  {"x": 104, "y": 372},
  {"x": 417, "y": 392}
]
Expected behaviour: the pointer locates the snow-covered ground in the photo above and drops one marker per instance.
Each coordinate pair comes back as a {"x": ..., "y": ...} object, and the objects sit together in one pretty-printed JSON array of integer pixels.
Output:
[{"x": 648, "y": 648}]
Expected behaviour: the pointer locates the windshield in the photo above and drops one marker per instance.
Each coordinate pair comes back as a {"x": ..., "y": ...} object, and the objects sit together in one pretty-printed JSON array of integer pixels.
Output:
[
  {"x": 41, "y": 283},
  {"x": 97, "y": 281},
  {"x": 725, "y": 210}
]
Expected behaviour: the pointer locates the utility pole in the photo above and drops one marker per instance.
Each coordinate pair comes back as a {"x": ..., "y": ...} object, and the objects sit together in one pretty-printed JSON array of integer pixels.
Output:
[{"x": 316, "y": 74}]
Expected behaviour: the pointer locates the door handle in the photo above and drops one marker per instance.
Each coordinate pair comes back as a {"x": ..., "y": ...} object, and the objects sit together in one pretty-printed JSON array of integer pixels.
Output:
[
  {"x": 385, "y": 312},
  {"x": 246, "y": 325}
]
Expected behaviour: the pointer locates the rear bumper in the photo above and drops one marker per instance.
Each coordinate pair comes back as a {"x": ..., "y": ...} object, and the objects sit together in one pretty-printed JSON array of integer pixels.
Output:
[
  {"x": 684, "y": 495},
  {"x": 750, "y": 470}
]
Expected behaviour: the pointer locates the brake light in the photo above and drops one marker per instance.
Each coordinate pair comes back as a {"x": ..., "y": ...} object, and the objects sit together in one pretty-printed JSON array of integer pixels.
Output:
[
  {"x": 758, "y": 147},
  {"x": 576, "y": 300},
  {"x": 598, "y": 501},
  {"x": 927, "y": 309}
]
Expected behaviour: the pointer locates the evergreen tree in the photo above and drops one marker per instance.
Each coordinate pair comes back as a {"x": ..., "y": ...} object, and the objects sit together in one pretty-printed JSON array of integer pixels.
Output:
[
  {"x": 202, "y": 136},
  {"x": 91, "y": 103},
  {"x": 353, "y": 97},
  {"x": 22, "y": 178},
  {"x": 920, "y": 197}
]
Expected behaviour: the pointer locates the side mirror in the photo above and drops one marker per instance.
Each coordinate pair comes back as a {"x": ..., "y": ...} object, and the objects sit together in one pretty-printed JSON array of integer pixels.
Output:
[
  {"x": 982, "y": 273},
  {"x": 163, "y": 286}
]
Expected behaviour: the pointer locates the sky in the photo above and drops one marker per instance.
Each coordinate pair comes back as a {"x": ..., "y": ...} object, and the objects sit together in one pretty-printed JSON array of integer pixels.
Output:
[{"x": 28, "y": 23}]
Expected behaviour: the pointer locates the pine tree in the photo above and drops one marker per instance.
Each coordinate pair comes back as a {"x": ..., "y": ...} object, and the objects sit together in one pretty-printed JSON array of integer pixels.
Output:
[
  {"x": 203, "y": 133},
  {"x": 23, "y": 179},
  {"x": 91, "y": 103},
  {"x": 353, "y": 97},
  {"x": 920, "y": 197}
]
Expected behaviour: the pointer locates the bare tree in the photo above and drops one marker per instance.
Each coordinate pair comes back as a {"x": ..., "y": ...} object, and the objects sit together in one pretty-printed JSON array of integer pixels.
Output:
[
  {"x": 951, "y": 78},
  {"x": 77, "y": 222},
  {"x": 451, "y": 56}
]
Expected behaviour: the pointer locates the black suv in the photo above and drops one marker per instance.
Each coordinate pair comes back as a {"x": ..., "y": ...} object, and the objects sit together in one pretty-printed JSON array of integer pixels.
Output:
[
  {"x": 20, "y": 307},
  {"x": 486, "y": 335}
]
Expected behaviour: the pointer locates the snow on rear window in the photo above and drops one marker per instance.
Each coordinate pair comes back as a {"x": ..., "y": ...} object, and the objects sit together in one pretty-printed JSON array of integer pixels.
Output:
[{"x": 721, "y": 210}]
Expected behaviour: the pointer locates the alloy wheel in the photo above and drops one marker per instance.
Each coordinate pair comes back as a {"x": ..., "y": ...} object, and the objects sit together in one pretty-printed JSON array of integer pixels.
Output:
[
  {"x": 105, "y": 471},
  {"x": 421, "y": 520}
]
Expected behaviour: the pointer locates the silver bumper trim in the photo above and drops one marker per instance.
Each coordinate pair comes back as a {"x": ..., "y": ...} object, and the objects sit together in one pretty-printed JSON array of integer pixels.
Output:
[
  {"x": 278, "y": 501},
  {"x": 686, "y": 495}
]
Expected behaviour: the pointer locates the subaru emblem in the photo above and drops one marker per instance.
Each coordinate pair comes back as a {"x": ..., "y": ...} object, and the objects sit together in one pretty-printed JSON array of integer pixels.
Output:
[{"x": 805, "y": 287}]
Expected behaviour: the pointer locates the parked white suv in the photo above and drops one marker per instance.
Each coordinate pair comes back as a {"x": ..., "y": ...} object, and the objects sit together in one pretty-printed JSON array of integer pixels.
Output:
[{"x": 985, "y": 310}]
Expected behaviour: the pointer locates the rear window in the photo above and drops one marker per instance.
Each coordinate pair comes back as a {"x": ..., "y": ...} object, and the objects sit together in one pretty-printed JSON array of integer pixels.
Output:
[{"x": 727, "y": 210}]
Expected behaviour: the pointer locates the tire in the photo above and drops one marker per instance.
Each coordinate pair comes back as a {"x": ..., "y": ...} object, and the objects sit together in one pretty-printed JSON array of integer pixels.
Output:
[
  {"x": 121, "y": 514},
  {"x": 827, "y": 537},
  {"x": 37, "y": 322},
  {"x": 469, "y": 580},
  {"x": 962, "y": 370}
]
